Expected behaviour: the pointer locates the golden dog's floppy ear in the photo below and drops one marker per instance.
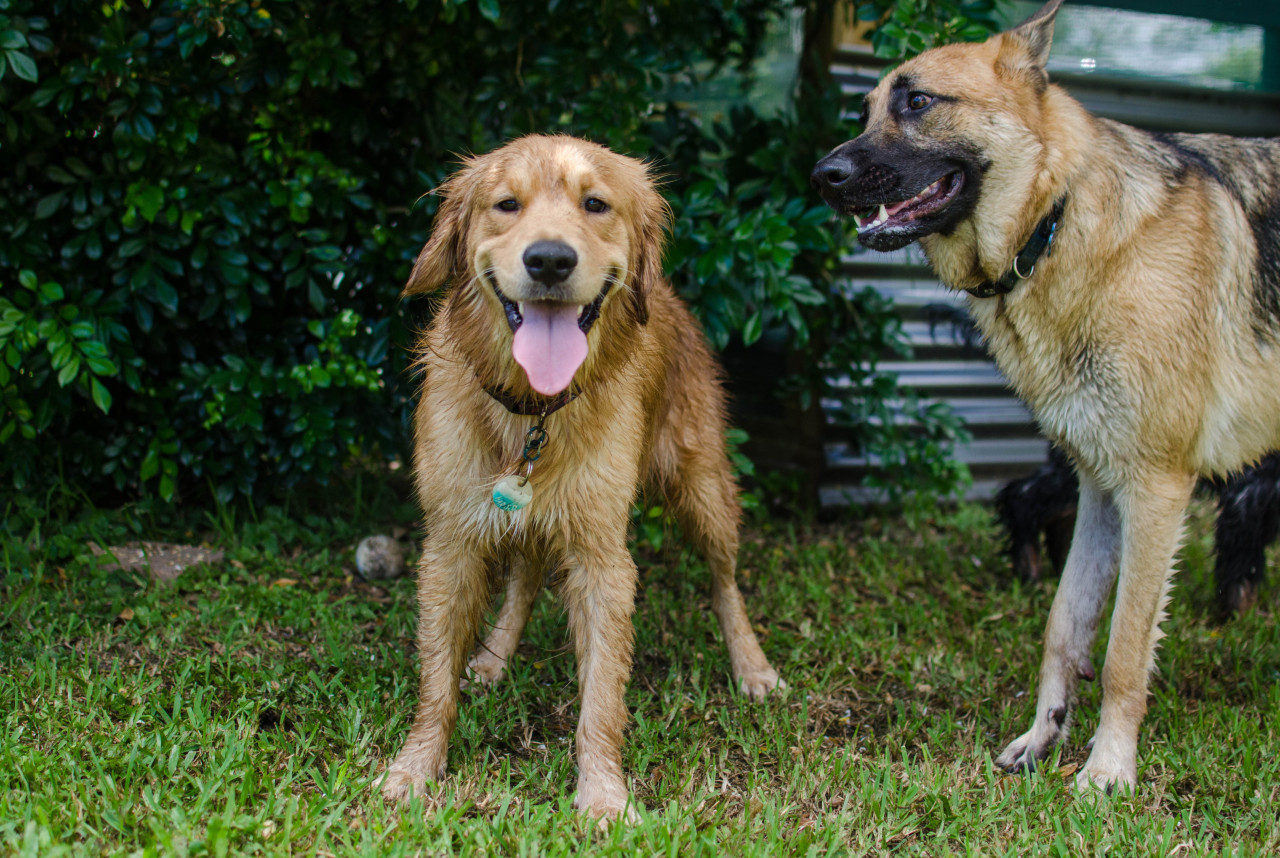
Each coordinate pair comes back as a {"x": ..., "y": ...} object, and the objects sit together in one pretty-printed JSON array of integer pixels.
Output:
[
  {"x": 647, "y": 243},
  {"x": 444, "y": 258},
  {"x": 1025, "y": 48}
]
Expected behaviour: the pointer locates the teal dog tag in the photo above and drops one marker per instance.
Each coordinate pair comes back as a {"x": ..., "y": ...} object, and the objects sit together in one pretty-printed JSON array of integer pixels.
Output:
[{"x": 510, "y": 494}]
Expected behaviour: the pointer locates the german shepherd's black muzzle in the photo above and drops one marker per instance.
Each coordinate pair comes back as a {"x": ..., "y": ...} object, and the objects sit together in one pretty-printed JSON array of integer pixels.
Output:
[{"x": 897, "y": 192}]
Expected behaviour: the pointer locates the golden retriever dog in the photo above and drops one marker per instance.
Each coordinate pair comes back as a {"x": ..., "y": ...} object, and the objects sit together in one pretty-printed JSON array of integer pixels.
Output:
[
  {"x": 561, "y": 374},
  {"x": 1128, "y": 285}
]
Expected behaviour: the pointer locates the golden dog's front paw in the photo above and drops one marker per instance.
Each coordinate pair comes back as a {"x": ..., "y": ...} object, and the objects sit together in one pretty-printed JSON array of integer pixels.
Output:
[
  {"x": 606, "y": 801},
  {"x": 757, "y": 684},
  {"x": 483, "y": 671},
  {"x": 400, "y": 786},
  {"x": 413, "y": 767}
]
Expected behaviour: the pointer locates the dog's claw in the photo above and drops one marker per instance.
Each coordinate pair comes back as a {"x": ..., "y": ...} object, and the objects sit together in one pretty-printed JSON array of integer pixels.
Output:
[
  {"x": 399, "y": 785},
  {"x": 607, "y": 803},
  {"x": 757, "y": 684},
  {"x": 1024, "y": 752},
  {"x": 483, "y": 672},
  {"x": 1110, "y": 784}
]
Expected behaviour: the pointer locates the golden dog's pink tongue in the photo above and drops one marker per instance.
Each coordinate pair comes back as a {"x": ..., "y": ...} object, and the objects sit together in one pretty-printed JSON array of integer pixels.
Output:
[{"x": 549, "y": 345}]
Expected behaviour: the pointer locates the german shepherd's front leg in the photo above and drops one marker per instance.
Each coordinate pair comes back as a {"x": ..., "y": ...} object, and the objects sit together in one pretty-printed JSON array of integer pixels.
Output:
[
  {"x": 1151, "y": 515},
  {"x": 1073, "y": 622},
  {"x": 599, "y": 591}
]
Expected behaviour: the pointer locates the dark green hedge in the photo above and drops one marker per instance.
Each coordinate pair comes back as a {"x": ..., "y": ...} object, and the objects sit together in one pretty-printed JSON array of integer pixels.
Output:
[{"x": 208, "y": 207}]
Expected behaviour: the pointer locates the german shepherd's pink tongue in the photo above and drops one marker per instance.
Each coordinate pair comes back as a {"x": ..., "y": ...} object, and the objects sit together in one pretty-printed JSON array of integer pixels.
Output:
[{"x": 549, "y": 345}]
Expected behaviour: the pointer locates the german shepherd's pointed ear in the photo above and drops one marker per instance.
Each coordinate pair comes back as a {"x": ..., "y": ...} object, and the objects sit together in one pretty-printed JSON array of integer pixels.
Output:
[
  {"x": 444, "y": 258},
  {"x": 647, "y": 244},
  {"x": 1025, "y": 48}
]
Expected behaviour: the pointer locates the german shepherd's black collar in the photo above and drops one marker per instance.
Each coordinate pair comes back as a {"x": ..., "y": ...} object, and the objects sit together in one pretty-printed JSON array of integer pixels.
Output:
[{"x": 1024, "y": 264}]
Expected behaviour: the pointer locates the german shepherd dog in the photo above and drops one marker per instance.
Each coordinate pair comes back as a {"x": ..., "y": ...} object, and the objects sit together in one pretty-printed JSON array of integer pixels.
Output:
[
  {"x": 1128, "y": 285},
  {"x": 561, "y": 373}
]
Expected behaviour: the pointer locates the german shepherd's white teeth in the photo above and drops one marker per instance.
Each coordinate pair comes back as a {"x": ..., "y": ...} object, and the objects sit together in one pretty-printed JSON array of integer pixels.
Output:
[
  {"x": 881, "y": 217},
  {"x": 582, "y": 308},
  {"x": 927, "y": 192},
  {"x": 520, "y": 307}
]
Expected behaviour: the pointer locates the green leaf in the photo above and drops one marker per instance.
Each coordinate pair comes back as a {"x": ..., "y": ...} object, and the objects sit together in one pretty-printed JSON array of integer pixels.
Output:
[
  {"x": 320, "y": 377},
  {"x": 69, "y": 372},
  {"x": 101, "y": 366},
  {"x": 132, "y": 247},
  {"x": 101, "y": 396},
  {"x": 50, "y": 204},
  {"x": 167, "y": 486},
  {"x": 326, "y": 253},
  {"x": 51, "y": 292},
  {"x": 23, "y": 66},
  {"x": 12, "y": 39},
  {"x": 150, "y": 201},
  {"x": 150, "y": 464},
  {"x": 28, "y": 279},
  {"x": 489, "y": 9},
  {"x": 752, "y": 330}
]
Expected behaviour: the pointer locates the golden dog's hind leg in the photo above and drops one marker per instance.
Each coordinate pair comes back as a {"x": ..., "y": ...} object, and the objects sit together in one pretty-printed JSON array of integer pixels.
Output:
[
  {"x": 1151, "y": 516},
  {"x": 599, "y": 593},
  {"x": 1073, "y": 623},
  {"x": 489, "y": 661},
  {"x": 453, "y": 591},
  {"x": 705, "y": 505}
]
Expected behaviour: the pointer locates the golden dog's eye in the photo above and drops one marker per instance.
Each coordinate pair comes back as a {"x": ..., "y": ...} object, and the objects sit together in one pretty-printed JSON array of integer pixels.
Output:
[
  {"x": 918, "y": 100},
  {"x": 508, "y": 205},
  {"x": 595, "y": 205}
]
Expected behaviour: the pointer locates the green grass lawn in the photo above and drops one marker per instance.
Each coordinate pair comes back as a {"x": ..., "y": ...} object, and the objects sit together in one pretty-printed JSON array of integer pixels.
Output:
[{"x": 249, "y": 708}]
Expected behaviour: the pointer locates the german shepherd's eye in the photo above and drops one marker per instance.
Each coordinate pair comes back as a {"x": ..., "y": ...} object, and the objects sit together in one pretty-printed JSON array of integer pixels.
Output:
[
  {"x": 918, "y": 100},
  {"x": 508, "y": 205},
  {"x": 595, "y": 205}
]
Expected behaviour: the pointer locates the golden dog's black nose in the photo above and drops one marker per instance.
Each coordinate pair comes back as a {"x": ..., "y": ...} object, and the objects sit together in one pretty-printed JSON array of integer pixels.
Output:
[{"x": 550, "y": 262}]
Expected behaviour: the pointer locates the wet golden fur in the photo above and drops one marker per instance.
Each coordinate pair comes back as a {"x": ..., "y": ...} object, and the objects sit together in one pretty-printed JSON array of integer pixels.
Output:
[
  {"x": 652, "y": 411},
  {"x": 1147, "y": 344}
]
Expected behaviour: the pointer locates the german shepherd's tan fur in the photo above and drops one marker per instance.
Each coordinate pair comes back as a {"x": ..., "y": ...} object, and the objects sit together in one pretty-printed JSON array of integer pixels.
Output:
[
  {"x": 651, "y": 410},
  {"x": 1147, "y": 343}
]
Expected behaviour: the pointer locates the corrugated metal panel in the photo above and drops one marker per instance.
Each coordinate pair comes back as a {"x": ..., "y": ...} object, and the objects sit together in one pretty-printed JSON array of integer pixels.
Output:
[{"x": 947, "y": 366}]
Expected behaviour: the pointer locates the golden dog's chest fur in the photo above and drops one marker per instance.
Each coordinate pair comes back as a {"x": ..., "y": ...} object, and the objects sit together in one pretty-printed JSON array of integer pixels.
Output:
[
  {"x": 650, "y": 410},
  {"x": 619, "y": 433}
]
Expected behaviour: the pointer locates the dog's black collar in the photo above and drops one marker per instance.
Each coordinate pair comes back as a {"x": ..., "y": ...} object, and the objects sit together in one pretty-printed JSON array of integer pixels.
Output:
[
  {"x": 1040, "y": 244},
  {"x": 530, "y": 406}
]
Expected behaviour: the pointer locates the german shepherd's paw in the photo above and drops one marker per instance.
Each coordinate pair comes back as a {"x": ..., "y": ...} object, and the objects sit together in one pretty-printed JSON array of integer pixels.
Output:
[
  {"x": 1036, "y": 744},
  {"x": 757, "y": 684},
  {"x": 1112, "y": 783},
  {"x": 607, "y": 801},
  {"x": 1110, "y": 768}
]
